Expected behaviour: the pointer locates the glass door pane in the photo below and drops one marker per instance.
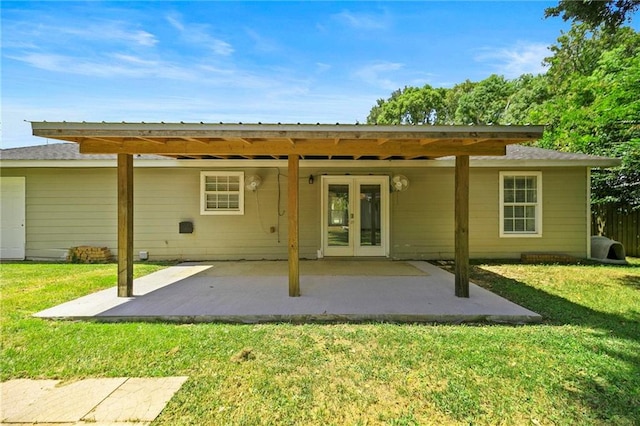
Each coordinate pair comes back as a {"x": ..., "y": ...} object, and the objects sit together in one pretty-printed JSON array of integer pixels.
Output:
[
  {"x": 338, "y": 215},
  {"x": 370, "y": 215}
]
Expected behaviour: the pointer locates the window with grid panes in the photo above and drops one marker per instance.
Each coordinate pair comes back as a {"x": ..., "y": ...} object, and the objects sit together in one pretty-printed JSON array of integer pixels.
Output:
[
  {"x": 520, "y": 199},
  {"x": 222, "y": 193}
]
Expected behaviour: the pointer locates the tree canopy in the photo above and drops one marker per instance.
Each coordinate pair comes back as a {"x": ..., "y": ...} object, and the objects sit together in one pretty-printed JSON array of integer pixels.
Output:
[
  {"x": 606, "y": 13},
  {"x": 589, "y": 100}
]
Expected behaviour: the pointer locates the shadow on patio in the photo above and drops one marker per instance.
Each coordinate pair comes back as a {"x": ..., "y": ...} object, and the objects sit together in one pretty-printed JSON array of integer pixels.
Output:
[{"x": 331, "y": 291}]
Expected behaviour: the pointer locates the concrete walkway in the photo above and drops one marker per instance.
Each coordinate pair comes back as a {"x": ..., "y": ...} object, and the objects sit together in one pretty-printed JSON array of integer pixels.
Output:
[
  {"x": 98, "y": 402},
  {"x": 249, "y": 292}
]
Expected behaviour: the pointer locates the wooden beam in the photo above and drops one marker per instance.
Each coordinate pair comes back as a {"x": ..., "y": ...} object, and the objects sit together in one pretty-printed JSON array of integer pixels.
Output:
[
  {"x": 125, "y": 225},
  {"x": 462, "y": 226},
  {"x": 280, "y": 147},
  {"x": 294, "y": 229}
]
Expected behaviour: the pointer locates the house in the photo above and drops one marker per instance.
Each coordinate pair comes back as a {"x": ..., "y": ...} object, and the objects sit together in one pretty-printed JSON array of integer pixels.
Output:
[{"x": 212, "y": 192}]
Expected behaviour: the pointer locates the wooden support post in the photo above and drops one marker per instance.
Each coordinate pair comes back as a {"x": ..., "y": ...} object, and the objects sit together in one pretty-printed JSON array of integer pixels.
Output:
[
  {"x": 125, "y": 225},
  {"x": 294, "y": 229},
  {"x": 462, "y": 226}
]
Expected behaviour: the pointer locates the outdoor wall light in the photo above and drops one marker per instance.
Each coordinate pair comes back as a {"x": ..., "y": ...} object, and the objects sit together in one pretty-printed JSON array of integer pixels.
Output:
[{"x": 310, "y": 179}]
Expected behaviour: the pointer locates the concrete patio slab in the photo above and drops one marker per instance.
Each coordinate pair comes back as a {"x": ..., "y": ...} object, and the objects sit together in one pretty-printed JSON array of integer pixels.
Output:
[
  {"x": 99, "y": 402},
  {"x": 213, "y": 292}
]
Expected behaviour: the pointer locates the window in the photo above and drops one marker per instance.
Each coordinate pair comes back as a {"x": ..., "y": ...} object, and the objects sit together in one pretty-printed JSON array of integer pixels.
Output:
[
  {"x": 520, "y": 204},
  {"x": 221, "y": 193}
]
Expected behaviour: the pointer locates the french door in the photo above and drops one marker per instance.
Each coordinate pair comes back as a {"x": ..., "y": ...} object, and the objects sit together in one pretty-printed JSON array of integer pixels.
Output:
[{"x": 355, "y": 215}]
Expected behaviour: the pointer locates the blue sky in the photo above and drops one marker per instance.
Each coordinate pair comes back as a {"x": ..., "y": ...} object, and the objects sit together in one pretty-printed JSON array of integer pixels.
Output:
[{"x": 263, "y": 61}]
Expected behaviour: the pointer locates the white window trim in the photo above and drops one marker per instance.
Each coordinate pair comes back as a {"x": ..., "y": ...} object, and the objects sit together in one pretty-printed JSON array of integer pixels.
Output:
[
  {"x": 203, "y": 194},
  {"x": 538, "y": 206}
]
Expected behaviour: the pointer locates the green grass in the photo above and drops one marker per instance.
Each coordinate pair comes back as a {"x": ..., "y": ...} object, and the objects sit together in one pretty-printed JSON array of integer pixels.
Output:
[{"x": 580, "y": 366}]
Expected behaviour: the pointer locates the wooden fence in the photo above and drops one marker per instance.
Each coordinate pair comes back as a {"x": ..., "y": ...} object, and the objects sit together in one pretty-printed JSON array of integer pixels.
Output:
[{"x": 622, "y": 225}]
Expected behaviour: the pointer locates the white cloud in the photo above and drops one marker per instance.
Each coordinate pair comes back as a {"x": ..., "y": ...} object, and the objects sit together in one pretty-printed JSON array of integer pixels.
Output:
[
  {"x": 105, "y": 31},
  {"x": 361, "y": 21},
  {"x": 107, "y": 66},
  {"x": 376, "y": 74},
  {"x": 321, "y": 67},
  {"x": 198, "y": 35},
  {"x": 512, "y": 62},
  {"x": 262, "y": 43},
  {"x": 175, "y": 22}
]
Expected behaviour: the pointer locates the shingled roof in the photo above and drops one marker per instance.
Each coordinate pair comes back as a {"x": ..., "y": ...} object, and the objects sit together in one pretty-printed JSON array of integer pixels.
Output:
[
  {"x": 71, "y": 151},
  {"x": 59, "y": 151}
]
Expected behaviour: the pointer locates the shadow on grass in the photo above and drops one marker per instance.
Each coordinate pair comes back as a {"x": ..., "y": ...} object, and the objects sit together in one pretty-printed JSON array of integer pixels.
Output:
[
  {"x": 612, "y": 394},
  {"x": 557, "y": 310},
  {"x": 630, "y": 281}
]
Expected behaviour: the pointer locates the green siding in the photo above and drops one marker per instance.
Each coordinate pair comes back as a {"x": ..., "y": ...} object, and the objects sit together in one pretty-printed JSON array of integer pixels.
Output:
[{"x": 77, "y": 206}]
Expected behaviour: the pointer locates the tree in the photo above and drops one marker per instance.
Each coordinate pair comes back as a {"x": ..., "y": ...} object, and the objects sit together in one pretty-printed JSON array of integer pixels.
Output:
[
  {"x": 452, "y": 100},
  {"x": 595, "y": 109},
  {"x": 486, "y": 103},
  {"x": 411, "y": 105},
  {"x": 610, "y": 14},
  {"x": 529, "y": 92}
]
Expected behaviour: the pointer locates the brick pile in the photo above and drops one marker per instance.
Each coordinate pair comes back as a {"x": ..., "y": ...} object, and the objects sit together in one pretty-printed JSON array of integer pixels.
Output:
[
  {"x": 89, "y": 254},
  {"x": 547, "y": 258}
]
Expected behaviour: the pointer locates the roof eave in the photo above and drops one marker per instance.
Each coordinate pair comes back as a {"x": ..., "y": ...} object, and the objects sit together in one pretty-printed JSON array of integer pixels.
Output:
[{"x": 165, "y": 163}]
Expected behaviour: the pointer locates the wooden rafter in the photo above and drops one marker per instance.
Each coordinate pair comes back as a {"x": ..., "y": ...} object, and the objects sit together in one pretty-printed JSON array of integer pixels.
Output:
[
  {"x": 110, "y": 141},
  {"x": 473, "y": 141},
  {"x": 202, "y": 140},
  {"x": 149, "y": 140},
  {"x": 430, "y": 141}
]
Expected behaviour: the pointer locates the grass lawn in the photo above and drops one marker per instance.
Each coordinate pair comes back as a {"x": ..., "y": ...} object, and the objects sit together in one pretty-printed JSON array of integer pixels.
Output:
[{"x": 581, "y": 366}]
